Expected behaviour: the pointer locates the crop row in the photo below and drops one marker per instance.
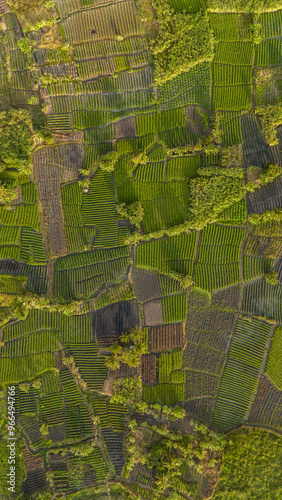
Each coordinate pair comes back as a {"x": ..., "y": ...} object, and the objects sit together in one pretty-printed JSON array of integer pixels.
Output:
[
  {"x": 240, "y": 375},
  {"x": 160, "y": 121},
  {"x": 168, "y": 394},
  {"x": 235, "y": 214},
  {"x": 191, "y": 87},
  {"x": 85, "y": 281},
  {"x": 22, "y": 215},
  {"x": 269, "y": 52},
  {"x": 199, "y": 384},
  {"x": 167, "y": 363},
  {"x": 231, "y": 128},
  {"x": 271, "y": 23},
  {"x": 203, "y": 358},
  {"x": 90, "y": 364},
  {"x": 72, "y": 329},
  {"x": 262, "y": 299},
  {"x": 174, "y": 308},
  {"x": 255, "y": 267},
  {"x": 267, "y": 407},
  {"x": 108, "y": 20},
  {"x": 239, "y": 53},
  {"x": 232, "y": 97},
  {"x": 109, "y": 47},
  {"x": 164, "y": 255},
  {"x": 273, "y": 367},
  {"x": 25, "y": 368},
  {"x": 36, "y": 343}
]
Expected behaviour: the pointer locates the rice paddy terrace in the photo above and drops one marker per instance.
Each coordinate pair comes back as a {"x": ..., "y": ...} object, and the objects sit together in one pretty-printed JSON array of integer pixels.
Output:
[{"x": 105, "y": 237}]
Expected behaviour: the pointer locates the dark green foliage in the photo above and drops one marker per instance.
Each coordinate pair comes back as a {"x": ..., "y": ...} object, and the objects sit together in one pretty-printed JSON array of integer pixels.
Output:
[
  {"x": 171, "y": 452},
  {"x": 271, "y": 117},
  {"x": 15, "y": 147},
  {"x": 213, "y": 191},
  {"x": 251, "y": 468},
  {"x": 182, "y": 41},
  {"x": 135, "y": 345},
  {"x": 244, "y": 5}
]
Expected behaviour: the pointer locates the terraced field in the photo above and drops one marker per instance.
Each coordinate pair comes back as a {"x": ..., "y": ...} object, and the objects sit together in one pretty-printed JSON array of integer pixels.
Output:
[{"x": 149, "y": 203}]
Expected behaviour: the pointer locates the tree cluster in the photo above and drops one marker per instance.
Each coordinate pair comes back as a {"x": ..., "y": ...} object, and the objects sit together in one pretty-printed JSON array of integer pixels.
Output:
[
  {"x": 129, "y": 351},
  {"x": 212, "y": 191},
  {"x": 170, "y": 452},
  {"x": 128, "y": 391},
  {"x": 16, "y": 143},
  {"x": 182, "y": 40},
  {"x": 271, "y": 117},
  {"x": 134, "y": 212}
]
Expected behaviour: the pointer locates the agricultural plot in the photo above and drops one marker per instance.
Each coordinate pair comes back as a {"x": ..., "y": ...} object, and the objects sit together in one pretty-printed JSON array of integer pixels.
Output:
[
  {"x": 208, "y": 348},
  {"x": 269, "y": 50},
  {"x": 20, "y": 237},
  {"x": 260, "y": 298},
  {"x": 207, "y": 333},
  {"x": 52, "y": 165},
  {"x": 267, "y": 407},
  {"x": 240, "y": 376},
  {"x": 168, "y": 254},
  {"x": 267, "y": 198},
  {"x": 233, "y": 61},
  {"x": 104, "y": 22},
  {"x": 273, "y": 367},
  {"x": 111, "y": 321},
  {"x": 112, "y": 418},
  {"x": 191, "y": 87},
  {"x": 218, "y": 261},
  {"x": 90, "y": 218},
  {"x": 162, "y": 187},
  {"x": 259, "y": 255},
  {"x": 256, "y": 152},
  {"x": 71, "y": 472},
  {"x": 163, "y": 378}
]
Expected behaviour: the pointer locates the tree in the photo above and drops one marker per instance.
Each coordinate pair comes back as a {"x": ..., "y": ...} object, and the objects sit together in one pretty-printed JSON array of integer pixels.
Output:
[
  {"x": 113, "y": 363},
  {"x": 108, "y": 161}
]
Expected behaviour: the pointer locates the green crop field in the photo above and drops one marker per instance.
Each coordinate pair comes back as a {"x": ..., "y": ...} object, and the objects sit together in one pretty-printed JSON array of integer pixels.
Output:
[{"x": 141, "y": 249}]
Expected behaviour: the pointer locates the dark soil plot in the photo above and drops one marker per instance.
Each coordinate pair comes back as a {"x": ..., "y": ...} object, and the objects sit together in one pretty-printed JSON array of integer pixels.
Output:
[
  {"x": 153, "y": 312},
  {"x": 125, "y": 127},
  {"x": 201, "y": 408},
  {"x": 165, "y": 337},
  {"x": 146, "y": 285},
  {"x": 115, "y": 319},
  {"x": 268, "y": 197},
  {"x": 262, "y": 299},
  {"x": 149, "y": 369},
  {"x": 267, "y": 407},
  {"x": 35, "y": 474},
  {"x": 201, "y": 385},
  {"x": 255, "y": 149},
  {"x": 114, "y": 444},
  {"x": 227, "y": 299}
]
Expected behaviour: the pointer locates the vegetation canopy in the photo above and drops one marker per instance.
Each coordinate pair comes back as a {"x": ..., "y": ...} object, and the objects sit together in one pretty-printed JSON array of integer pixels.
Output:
[{"x": 182, "y": 41}]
